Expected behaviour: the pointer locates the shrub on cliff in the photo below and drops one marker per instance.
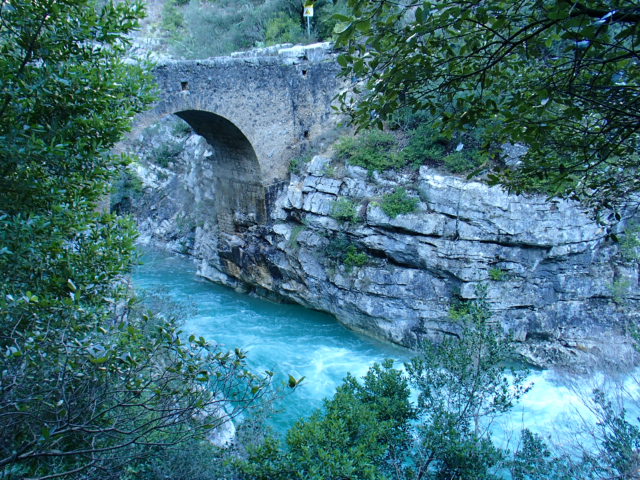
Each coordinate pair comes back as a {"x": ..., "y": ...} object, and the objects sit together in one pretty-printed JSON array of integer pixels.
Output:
[
  {"x": 398, "y": 203},
  {"x": 345, "y": 210},
  {"x": 378, "y": 150},
  {"x": 341, "y": 251},
  {"x": 372, "y": 149},
  {"x": 426, "y": 146},
  {"x": 355, "y": 258},
  {"x": 166, "y": 153}
]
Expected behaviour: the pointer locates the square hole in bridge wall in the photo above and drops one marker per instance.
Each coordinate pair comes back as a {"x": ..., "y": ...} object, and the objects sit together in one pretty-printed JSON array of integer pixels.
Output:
[{"x": 184, "y": 86}]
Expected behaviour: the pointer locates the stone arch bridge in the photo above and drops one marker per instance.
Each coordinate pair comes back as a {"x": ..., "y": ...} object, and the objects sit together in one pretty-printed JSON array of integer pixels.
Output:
[{"x": 257, "y": 110}]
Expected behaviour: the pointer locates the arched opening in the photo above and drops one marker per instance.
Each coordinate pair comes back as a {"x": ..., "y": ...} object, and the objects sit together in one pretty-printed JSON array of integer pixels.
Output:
[{"x": 234, "y": 170}]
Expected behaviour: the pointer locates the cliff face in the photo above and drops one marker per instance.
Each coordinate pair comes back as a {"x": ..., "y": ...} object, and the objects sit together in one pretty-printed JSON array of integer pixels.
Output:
[{"x": 549, "y": 272}]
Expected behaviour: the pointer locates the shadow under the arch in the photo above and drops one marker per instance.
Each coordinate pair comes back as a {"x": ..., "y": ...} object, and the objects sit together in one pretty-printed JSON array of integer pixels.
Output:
[{"x": 240, "y": 196}]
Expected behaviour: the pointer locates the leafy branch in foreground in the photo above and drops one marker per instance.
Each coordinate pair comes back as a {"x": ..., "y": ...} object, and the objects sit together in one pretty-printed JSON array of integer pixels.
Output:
[
  {"x": 87, "y": 383},
  {"x": 560, "y": 77}
]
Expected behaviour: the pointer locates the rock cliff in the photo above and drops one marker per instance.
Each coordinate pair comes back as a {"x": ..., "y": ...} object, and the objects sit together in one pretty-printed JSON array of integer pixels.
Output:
[{"x": 551, "y": 274}]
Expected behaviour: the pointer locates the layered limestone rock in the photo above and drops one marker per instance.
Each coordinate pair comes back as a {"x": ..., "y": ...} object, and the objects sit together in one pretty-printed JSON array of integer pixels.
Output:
[{"x": 550, "y": 273}]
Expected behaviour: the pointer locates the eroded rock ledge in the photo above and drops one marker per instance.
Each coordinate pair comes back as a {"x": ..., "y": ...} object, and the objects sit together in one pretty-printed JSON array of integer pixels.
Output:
[{"x": 552, "y": 276}]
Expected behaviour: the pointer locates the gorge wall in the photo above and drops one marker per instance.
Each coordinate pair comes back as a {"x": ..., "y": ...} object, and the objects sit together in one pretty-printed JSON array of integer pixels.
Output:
[{"x": 550, "y": 273}]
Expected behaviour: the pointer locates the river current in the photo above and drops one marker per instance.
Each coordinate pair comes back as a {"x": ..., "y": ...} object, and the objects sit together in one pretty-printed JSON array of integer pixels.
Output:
[{"x": 290, "y": 339}]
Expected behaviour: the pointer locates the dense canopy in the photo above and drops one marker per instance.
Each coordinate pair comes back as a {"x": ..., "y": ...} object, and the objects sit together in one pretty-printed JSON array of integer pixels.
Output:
[
  {"x": 559, "y": 76},
  {"x": 90, "y": 385}
]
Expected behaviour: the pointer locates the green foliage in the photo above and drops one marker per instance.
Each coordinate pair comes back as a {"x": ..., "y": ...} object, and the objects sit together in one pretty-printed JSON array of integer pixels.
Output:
[
  {"x": 223, "y": 26},
  {"x": 426, "y": 146},
  {"x": 398, "y": 203},
  {"x": 460, "y": 309},
  {"x": 342, "y": 251},
  {"x": 378, "y": 428},
  {"x": 372, "y": 149},
  {"x": 462, "y": 162},
  {"x": 126, "y": 189},
  {"x": 466, "y": 377},
  {"x": 630, "y": 243},
  {"x": 198, "y": 459},
  {"x": 89, "y": 380},
  {"x": 620, "y": 289},
  {"x": 408, "y": 119},
  {"x": 353, "y": 436},
  {"x": 336, "y": 248},
  {"x": 356, "y": 429},
  {"x": 180, "y": 128},
  {"x": 166, "y": 153},
  {"x": 218, "y": 29},
  {"x": 612, "y": 455},
  {"x": 330, "y": 171},
  {"x": 295, "y": 233},
  {"x": 297, "y": 163},
  {"x": 534, "y": 461},
  {"x": 463, "y": 383},
  {"x": 345, "y": 210},
  {"x": 355, "y": 258},
  {"x": 194, "y": 460},
  {"x": 497, "y": 274},
  {"x": 619, "y": 441},
  {"x": 266, "y": 461},
  {"x": 327, "y": 17},
  {"x": 372, "y": 429},
  {"x": 379, "y": 150},
  {"x": 558, "y": 77},
  {"x": 172, "y": 18},
  {"x": 283, "y": 29}
]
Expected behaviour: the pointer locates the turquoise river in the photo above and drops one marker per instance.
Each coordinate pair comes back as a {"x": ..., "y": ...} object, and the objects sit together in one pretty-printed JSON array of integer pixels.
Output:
[{"x": 290, "y": 339}]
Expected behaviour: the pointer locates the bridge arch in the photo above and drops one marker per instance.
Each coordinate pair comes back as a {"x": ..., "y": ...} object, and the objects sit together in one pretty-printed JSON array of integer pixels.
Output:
[
  {"x": 237, "y": 180},
  {"x": 257, "y": 113},
  {"x": 236, "y": 174}
]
